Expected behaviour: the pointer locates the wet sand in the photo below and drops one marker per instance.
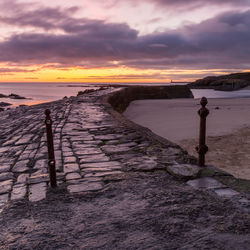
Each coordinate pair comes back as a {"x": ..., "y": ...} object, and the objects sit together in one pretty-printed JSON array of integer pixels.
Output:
[{"x": 228, "y": 128}]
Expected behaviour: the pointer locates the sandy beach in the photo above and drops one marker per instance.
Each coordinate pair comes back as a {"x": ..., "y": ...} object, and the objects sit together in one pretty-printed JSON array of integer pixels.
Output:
[{"x": 228, "y": 128}]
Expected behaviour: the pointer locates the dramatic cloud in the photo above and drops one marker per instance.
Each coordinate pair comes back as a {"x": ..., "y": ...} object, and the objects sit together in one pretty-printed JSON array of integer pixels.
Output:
[
  {"x": 183, "y": 4},
  {"x": 14, "y": 70},
  {"x": 220, "y": 42}
]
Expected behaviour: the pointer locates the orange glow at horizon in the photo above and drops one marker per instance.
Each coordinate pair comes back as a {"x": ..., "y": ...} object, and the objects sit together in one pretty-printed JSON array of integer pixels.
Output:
[{"x": 40, "y": 73}]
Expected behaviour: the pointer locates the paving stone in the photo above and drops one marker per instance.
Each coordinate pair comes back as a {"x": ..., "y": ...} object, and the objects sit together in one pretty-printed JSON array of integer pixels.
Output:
[
  {"x": 112, "y": 142},
  {"x": 85, "y": 187},
  {"x": 66, "y": 149},
  {"x": 94, "y": 158},
  {"x": 71, "y": 159},
  {"x": 25, "y": 139},
  {"x": 6, "y": 176},
  {"x": 66, "y": 154},
  {"x": 102, "y": 174},
  {"x": 38, "y": 178},
  {"x": 40, "y": 164},
  {"x": 3, "y": 149},
  {"x": 244, "y": 202},
  {"x": 5, "y": 186},
  {"x": 129, "y": 144},
  {"x": 171, "y": 151},
  {"x": 90, "y": 143},
  {"x": 3, "y": 199},
  {"x": 18, "y": 192},
  {"x": 73, "y": 176},
  {"x": 109, "y": 164},
  {"x": 37, "y": 192},
  {"x": 108, "y": 137},
  {"x": 71, "y": 167},
  {"x": 205, "y": 182},
  {"x": 226, "y": 192},
  {"x": 184, "y": 171},
  {"x": 100, "y": 169},
  {"x": 92, "y": 179},
  {"x": 110, "y": 149},
  {"x": 22, "y": 178},
  {"x": 20, "y": 166},
  {"x": 81, "y": 138},
  {"x": 88, "y": 151},
  {"x": 4, "y": 167},
  {"x": 11, "y": 141},
  {"x": 23, "y": 156}
]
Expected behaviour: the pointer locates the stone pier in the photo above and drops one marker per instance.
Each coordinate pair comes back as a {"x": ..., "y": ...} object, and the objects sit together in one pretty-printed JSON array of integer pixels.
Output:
[
  {"x": 93, "y": 146},
  {"x": 119, "y": 185}
]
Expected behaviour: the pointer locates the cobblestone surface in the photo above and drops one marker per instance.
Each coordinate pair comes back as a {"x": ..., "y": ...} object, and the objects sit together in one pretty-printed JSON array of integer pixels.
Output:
[{"x": 90, "y": 145}]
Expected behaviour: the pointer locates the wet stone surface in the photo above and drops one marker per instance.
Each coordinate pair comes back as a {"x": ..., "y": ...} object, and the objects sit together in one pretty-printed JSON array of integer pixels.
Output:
[{"x": 92, "y": 149}]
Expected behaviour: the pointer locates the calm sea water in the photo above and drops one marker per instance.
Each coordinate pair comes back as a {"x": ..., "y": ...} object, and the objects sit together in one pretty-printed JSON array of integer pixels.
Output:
[
  {"x": 46, "y": 92},
  {"x": 40, "y": 92}
]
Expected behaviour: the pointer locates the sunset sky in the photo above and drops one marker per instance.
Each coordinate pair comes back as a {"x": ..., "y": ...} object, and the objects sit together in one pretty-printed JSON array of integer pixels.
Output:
[{"x": 122, "y": 40}]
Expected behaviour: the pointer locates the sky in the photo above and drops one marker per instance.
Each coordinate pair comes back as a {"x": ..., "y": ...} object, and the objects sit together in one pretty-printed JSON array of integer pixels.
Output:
[{"x": 122, "y": 40}]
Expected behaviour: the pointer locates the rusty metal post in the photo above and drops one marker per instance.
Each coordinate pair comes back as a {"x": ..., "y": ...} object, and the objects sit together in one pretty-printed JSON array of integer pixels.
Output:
[
  {"x": 202, "y": 147},
  {"x": 50, "y": 143}
]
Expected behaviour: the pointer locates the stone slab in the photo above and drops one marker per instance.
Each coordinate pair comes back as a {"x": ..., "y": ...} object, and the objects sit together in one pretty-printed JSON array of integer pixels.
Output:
[
  {"x": 183, "y": 171},
  {"x": 37, "y": 192},
  {"x": 85, "y": 187},
  {"x": 5, "y": 186},
  {"x": 205, "y": 182},
  {"x": 102, "y": 174},
  {"x": 20, "y": 166},
  {"x": 6, "y": 176},
  {"x": 108, "y": 164},
  {"x": 88, "y": 151},
  {"x": 38, "y": 178},
  {"x": 18, "y": 192},
  {"x": 4, "y": 167},
  {"x": 94, "y": 158},
  {"x": 94, "y": 170},
  {"x": 22, "y": 178},
  {"x": 226, "y": 192},
  {"x": 69, "y": 159},
  {"x": 70, "y": 167},
  {"x": 73, "y": 176},
  {"x": 111, "y": 149}
]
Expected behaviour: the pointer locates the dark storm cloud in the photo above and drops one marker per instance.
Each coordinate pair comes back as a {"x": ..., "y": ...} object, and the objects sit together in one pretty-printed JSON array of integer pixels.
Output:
[
  {"x": 220, "y": 42},
  {"x": 62, "y": 20}
]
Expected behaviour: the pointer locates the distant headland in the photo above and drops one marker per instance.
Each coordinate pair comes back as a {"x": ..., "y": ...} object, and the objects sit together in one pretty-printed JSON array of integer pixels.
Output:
[{"x": 229, "y": 82}]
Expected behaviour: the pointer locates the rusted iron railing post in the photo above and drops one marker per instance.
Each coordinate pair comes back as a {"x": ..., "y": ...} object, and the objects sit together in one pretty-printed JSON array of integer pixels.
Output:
[
  {"x": 202, "y": 147},
  {"x": 50, "y": 143}
]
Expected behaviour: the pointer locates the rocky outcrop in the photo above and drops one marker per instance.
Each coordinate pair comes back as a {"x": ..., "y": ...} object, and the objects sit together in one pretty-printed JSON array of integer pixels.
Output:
[
  {"x": 4, "y": 104},
  {"x": 120, "y": 100},
  {"x": 13, "y": 96},
  {"x": 225, "y": 83}
]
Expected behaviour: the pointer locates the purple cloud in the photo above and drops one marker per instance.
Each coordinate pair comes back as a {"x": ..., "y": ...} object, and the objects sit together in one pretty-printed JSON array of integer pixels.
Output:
[
  {"x": 184, "y": 4},
  {"x": 220, "y": 42}
]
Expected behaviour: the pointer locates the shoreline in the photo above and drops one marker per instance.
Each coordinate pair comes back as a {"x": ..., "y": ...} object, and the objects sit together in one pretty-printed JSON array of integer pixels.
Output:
[{"x": 177, "y": 121}]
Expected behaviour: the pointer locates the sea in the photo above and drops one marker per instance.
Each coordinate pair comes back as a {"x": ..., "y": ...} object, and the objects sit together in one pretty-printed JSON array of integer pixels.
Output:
[{"x": 46, "y": 92}]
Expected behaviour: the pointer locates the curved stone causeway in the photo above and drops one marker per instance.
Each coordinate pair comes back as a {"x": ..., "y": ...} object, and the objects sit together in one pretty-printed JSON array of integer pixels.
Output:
[
  {"x": 90, "y": 146},
  {"x": 94, "y": 147}
]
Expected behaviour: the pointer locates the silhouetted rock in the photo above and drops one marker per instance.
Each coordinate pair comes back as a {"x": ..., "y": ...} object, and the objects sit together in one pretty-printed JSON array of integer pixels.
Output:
[
  {"x": 4, "y": 104},
  {"x": 86, "y": 91},
  {"x": 3, "y": 96},
  {"x": 15, "y": 96},
  {"x": 225, "y": 83}
]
